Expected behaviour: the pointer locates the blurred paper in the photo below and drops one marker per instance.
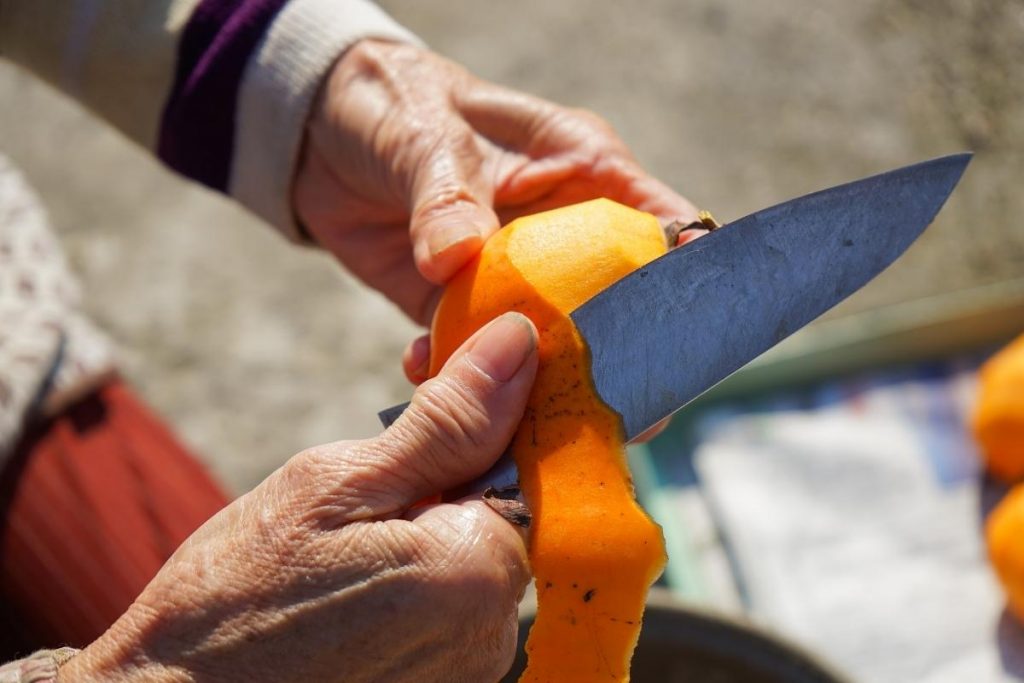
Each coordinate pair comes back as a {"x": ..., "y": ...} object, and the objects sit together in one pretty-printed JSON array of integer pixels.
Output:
[{"x": 856, "y": 529}]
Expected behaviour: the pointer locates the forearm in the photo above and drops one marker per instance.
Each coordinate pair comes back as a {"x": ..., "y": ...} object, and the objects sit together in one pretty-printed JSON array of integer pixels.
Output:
[{"x": 219, "y": 89}]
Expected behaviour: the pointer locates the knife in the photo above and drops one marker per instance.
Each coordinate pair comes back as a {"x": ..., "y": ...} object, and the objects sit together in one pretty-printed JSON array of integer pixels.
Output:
[{"x": 668, "y": 332}]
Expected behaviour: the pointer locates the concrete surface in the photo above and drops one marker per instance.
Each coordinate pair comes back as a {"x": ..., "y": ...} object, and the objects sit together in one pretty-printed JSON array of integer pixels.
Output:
[{"x": 254, "y": 350}]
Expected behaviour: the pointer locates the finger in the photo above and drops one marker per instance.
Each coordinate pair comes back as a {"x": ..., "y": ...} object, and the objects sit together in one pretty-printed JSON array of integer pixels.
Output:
[
  {"x": 562, "y": 143},
  {"x": 479, "y": 572},
  {"x": 655, "y": 197},
  {"x": 511, "y": 119},
  {"x": 450, "y": 204},
  {"x": 508, "y": 502},
  {"x": 525, "y": 123},
  {"x": 629, "y": 184},
  {"x": 457, "y": 424},
  {"x": 473, "y": 521},
  {"x": 416, "y": 359}
]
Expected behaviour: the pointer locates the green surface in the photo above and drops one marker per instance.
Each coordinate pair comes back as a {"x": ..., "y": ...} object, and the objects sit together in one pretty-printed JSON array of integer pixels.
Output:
[{"x": 683, "y": 574}]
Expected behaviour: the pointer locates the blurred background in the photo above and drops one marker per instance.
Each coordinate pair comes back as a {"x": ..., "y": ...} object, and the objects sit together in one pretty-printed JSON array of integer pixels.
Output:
[
  {"x": 254, "y": 349},
  {"x": 844, "y": 514}
]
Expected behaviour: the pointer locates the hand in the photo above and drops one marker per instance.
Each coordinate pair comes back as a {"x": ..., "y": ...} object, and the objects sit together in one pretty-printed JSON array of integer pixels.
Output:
[
  {"x": 410, "y": 163},
  {"x": 324, "y": 573}
]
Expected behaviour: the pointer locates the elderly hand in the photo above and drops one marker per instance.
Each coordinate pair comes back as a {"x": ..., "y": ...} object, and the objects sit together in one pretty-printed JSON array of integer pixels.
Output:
[
  {"x": 324, "y": 573},
  {"x": 410, "y": 163}
]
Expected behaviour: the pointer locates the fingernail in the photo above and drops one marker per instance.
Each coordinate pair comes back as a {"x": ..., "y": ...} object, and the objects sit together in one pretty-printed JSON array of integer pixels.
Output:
[
  {"x": 419, "y": 349},
  {"x": 504, "y": 346},
  {"x": 445, "y": 237},
  {"x": 510, "y": 504},
  {"x": 420, "y": 373}
]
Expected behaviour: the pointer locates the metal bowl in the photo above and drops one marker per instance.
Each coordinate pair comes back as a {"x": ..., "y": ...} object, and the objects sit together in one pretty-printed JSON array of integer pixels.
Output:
[{"x": 680, "y": 644}]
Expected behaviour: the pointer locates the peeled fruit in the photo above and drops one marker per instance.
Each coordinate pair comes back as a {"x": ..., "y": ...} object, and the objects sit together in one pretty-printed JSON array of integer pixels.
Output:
[
  {"x": 593, "y": 550},
  {"x": 1004, "y": 531},
  {"x": 998, "y": 420}
]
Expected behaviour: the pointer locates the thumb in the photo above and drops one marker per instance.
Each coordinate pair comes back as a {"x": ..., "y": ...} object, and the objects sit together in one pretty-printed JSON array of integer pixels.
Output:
[
  {"x": 460, "y": 422},
  {"x": 451, "y": 207}
]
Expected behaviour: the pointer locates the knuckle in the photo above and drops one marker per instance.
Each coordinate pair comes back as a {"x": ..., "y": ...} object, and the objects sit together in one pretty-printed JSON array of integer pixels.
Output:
[
  {"x": 465, "y": 552},
  {"x": 492, "y": 567},
  {"x": 445, "y": 159},
  {"x": 304, "y": 477},
  {"x": 332, "y": 485},
  {"x": 601, "y": 138},
  {"x": 449, "y": 415},
  {"x": 442, "y": 198},
  {"x": 378, "y": 475},
  {"x": 308, "y": 485},
  {"x": 596, "y": 123},
  {"x": 458, "y": 574}
]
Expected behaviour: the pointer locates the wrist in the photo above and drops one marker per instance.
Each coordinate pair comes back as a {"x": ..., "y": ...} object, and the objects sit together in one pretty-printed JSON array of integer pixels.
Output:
[
  {"x": 117, "y": 657},
  {"x": 277, "y": 92},
  {"x": 86, "y": 668},
  {"x": 82, "y": 668}
]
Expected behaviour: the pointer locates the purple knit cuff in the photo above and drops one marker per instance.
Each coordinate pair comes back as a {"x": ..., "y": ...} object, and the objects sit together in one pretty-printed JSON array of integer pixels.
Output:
[{"x": 197, "y": 131}]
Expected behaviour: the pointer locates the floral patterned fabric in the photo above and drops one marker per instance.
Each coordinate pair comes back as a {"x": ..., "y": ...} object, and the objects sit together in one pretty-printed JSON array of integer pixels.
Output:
[{"x": 47, "y": 345}]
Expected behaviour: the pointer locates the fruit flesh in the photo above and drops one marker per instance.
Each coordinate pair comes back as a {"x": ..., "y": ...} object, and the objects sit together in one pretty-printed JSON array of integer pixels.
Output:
[
  {"x": 998, "y": 420},
  {"x": 593, "y": 550}
]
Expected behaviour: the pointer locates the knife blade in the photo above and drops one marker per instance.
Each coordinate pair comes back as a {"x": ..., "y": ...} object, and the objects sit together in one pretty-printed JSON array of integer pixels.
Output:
[
  {"x": 671, "y": 330},
  {"x": 701, "y": 312}
]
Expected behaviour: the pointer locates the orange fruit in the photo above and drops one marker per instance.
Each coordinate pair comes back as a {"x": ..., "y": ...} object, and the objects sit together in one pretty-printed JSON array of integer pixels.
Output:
[
  {"x": 998, "y": 420},
  {"x": 593, "y": 550},
  {"x": 1004, "y": 531}
]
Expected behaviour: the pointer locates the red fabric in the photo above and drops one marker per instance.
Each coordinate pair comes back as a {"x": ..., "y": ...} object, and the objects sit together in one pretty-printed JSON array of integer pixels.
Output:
[{"x": 97, "y": 500}]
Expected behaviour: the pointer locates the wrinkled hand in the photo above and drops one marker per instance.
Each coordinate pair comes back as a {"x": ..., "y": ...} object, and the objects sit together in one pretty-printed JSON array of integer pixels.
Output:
[
  {"x": 410, "y": 163},
  {"x": 323, "y": 573}
]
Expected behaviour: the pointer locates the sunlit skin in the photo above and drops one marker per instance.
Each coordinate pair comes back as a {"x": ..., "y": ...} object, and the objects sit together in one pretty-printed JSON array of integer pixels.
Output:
[
  {"x": 327, "y": 571},
  {"x": 411, "y": 163}
]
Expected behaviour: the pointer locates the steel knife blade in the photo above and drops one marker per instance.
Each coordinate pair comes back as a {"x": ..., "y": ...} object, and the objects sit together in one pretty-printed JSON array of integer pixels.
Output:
[
  {"x": 701, "y": 312},
  {"x": 671, "y": 330}
]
